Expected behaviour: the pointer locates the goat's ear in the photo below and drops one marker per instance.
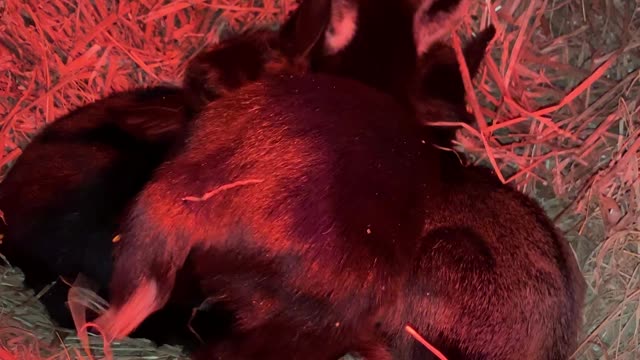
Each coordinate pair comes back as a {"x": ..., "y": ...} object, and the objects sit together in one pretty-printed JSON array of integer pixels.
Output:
[
  {"x": 305, "y": 26},
  {"x": 333, "y": 21},
  {"x": 434, "y": 20},
  {"x": 475, "y": 50},
  {"x": 342, "y": 25}
]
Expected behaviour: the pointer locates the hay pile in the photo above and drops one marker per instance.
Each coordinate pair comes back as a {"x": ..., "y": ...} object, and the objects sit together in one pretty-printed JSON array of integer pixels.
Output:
[{"x": 559, "y": 98}]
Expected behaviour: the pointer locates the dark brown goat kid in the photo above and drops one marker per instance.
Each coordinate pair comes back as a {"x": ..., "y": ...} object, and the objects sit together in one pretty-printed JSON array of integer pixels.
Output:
[
  {"x": 315, "y": 207},
  {"x": 64, "y": 199},
  {"x": 66, "y": 195}
]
